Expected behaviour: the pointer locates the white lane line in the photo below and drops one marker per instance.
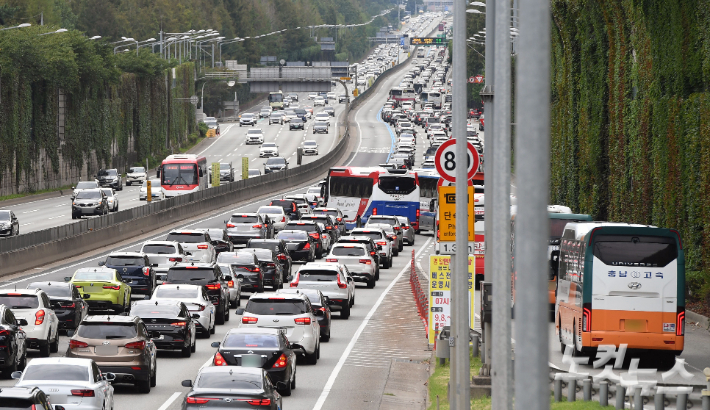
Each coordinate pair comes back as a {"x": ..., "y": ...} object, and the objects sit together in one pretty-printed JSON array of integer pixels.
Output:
[
  {"x": 59, "y": 206},
  {"x": 55, "y": 217},
  {"x": 170, "y": 400},
  {"x": 334, "y": 375},
  {"x": 30, "y": 223},
  {"x": 29, "y": 212}
]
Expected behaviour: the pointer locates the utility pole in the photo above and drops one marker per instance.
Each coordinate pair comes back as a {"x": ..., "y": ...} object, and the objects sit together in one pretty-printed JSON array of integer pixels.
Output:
[
  {"x": 532, "y": 164},
  {"x": 460, "y": 317}
]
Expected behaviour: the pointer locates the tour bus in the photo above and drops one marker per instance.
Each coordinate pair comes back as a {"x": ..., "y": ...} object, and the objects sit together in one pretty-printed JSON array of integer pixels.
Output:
[
  {"x": 559, "y": 217},
  {"x": 183, "y": 174},
  {"x": 621, "y": 284},
  {"x": 428, "y": 180},
  {"x": 431, "y": 96},
  {"x": 276, "y": 100},
  {"x": 402, "y": 94},
  {"x": 362, "y": 192}
]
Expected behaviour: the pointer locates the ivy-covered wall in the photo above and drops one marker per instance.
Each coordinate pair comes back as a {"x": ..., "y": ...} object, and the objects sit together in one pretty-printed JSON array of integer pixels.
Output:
[
  {"x": 68, "y": 107},
  {"x": 631, "y": 115}
]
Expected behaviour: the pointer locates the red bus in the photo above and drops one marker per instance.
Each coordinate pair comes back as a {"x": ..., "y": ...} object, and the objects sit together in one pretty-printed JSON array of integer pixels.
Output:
[{"x": 183, "y": 174}]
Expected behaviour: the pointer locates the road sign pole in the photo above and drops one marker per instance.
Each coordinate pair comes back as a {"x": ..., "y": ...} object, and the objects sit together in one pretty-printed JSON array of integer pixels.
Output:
[
  {"x": 459, "y": 279},
  {"x": 532, "y": 169},
  {"x": 501, "y": 365}
]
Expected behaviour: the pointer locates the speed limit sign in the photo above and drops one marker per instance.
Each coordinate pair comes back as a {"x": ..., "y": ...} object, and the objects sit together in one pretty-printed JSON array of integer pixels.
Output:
[{"x": 446, "y": 161}]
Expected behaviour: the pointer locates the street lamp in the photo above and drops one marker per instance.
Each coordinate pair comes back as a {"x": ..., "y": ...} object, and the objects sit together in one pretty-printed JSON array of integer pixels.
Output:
[
  {"x": 95, "y": 38},
  {"x": 18, "y": 26},
  {"x": 478, "y": 4},
  {"x": 474, "y": 11},
  {"x": 61, "y": 30}
]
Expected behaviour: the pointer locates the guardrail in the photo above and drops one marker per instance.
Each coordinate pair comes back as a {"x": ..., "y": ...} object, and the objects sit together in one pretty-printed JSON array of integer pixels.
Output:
[{"x": 420, "y": 296}]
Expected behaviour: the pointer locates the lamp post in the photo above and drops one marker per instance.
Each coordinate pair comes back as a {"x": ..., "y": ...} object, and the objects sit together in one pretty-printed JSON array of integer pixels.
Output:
[
  {"x": 18, "y": 26},
  {"x": 61, "y": 30}
]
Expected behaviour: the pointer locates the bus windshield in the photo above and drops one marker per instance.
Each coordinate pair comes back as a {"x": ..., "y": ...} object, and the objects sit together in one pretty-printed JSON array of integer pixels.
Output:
[
  {"x": 395, "y": 92},
  {"x": 179, "y": 174},
  {"x": 278, "y": 97},
  {"x": 397, "y": 185}
]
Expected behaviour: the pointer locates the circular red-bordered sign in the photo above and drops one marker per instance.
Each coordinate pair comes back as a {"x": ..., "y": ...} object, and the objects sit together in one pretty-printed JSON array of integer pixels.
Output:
[{"x": 445, "y": 160}]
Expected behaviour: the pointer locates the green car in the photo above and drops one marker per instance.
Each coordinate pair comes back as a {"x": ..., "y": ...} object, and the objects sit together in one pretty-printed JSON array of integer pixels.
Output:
[{"x": 103, "y": 289}]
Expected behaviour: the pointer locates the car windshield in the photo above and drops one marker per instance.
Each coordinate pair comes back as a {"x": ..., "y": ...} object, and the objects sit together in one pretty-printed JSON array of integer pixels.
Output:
[
  {"x": 125, "y": 261},
  {"x": 246, "y": 340},
  {"x": 254, "y": 132},
  {"x": 107, "y": 191},
  {"x": 174, "y": 292},
  {"x": 236, "y": 257},
  {"x": 274, "y": 306},
  {"x": 4, "y": 215},
  {"x": 107, "y": 330},
  {"x": 88, "y": 195},
  {"x": 225, "y": 166},
  {"x": 179, "y": 174},
  {"x": 321, "y": 124},
  {"x": 309, "y": 143},
  {"x": 276, "y": 161},
  {"x": 247, "y": 115},
  {"x": 17, "y": 301},
  {"x": 292, "y": 236},
  {"x": 296, "y": 121},
  {"x": 244, "y": 219},
  {"x": 290, "y": 112},
  {"x": 159, "y": 249},
  {"x": 62, "y": 291},
  {"x": 151, "y": 310},
  {"x": 108, "y": 172},
  {"x": 50, "y": 371},
  {"x": 270, "y": 210},
  {"x": 189, "y": 274},
  {"x": 268, "y": 145},
  {"x": 224, "y": 380},
  {"x": 186, "y": 237},
  {"x": 300, "y": 111},
  {"x": 348, "y": 251},
  {"x": 91, "y": 275},
  {"x": 136, "y": 169},
  {"x": 317, "y": 275}
]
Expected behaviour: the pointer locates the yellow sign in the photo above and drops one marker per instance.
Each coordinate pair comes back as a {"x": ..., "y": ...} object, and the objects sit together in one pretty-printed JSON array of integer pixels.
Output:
[
  {"x": 211, "y": 133},
  {"x": 215, "y": 174},
  {"x": 245, "y": 168},
  {"x": 440, "y": 293},
  {"x": 447, "y": 214},
  {"x": 356, "y": 92},
  {"x": 148, "y": 193},
  {"x": 345, "y": 78}
]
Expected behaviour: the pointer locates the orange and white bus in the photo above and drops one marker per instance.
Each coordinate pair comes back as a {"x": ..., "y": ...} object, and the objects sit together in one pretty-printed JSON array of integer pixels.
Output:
[
  {"x": 183, "y": 174},
  {"x": 621, "y": 284}
]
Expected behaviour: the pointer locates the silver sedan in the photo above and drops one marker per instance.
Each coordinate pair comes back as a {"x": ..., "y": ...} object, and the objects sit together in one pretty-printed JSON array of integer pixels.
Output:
[
  {"x": 197, "y": 301},
  {"x": 407, "y": 230}
]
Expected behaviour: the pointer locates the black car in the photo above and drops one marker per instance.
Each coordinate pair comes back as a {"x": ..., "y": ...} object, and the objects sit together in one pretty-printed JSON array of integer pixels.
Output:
[
  {"x": 328, "y": 221},
  {"x": 245, "y": 268},
  {"x": 9, "y": 225},
  {"x": 320, "y": 128},
  {"x": 21, "y": 398},
  {"x": 208, "y": 275},
  {"x": 271, "y": 269},
  {"x": 110, "y": 178},
  {"x": 215, "y": 385},
  {"x": 135, "y": 269},
  {"x": 313, "y": 230},
  {"x": 372, "y": 247},
  {"x": 301, "y": 113},
  {"x": 220, "y": 240},
  {"x": 271, "y": 348},
  {"x": 66, "y": 302},
  {"x": 329, "y": 110},
  {"x": 14, "y": 354},
  {"x": 300, "y": 245},
  {"x": 335, "y": 213},
  {"x": 296, "y": 124},
  {"x": 278, "y": 246},
  {"x": 275, "y": 164},
  {"x": 343, "y": 98},
  {"x": 289, "y": 205},
  {"x": 321, "y": 308},
  {"x": 169, "y": 323}
]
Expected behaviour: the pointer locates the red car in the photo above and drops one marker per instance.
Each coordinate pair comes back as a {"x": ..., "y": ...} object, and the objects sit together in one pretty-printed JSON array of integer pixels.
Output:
[{"x": 474, "y": 113}]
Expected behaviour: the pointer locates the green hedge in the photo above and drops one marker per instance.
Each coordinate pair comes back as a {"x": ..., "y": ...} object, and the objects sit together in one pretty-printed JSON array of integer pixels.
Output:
[{"x": 631, "y": 116}]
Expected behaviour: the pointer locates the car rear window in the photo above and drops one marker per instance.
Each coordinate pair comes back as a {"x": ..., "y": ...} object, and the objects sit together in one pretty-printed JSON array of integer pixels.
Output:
[
  {"x": 369, "y": 234},
  {"x": 190, "y": 274},
  {"x": 244, "y": 219},
  {"x": 186, "y": 237},
  {"x": 125, "y": 261},
  {"x": 273, "y": 246},
  {"x": 52, "y": 290},
  {"x": 348, "y": 251},
  {"x": 271, "y": 210},
  {"x": 294, "y": 236},
  {"x": 98, "y": 276},
  {"x": 317, "y": 275},
  {"x": 107, "y": 330},
  {"x": 300, "y": 227},
  {"x": 276, "y": 307},
  {"x": 159, "y": 249},
  {"x": 19, "y": 301},
  {"x": 388, "y": 221},
  {"x": 241, "y": 257},
  {"x": 175, "y": 292},
  {"x": 153, "y": 310},
  {"x": 68, "y": 372},
  {"x": 224, "y": 381},
  {"x": 245, "y": 340}
]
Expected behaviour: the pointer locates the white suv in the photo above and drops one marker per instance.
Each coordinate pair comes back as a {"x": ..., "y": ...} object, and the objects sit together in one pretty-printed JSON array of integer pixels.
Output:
[
  {"x": 291, "y": 312},
  {"x": 357, "y": 259},
  {"x": 333, "y": 280},
  {"x": 384, "y": 246},
  {"x": 42, "y": 328}
]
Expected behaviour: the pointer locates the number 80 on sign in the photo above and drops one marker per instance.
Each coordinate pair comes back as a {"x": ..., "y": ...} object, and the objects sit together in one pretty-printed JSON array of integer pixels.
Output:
[{"x": 446, "y": 161}]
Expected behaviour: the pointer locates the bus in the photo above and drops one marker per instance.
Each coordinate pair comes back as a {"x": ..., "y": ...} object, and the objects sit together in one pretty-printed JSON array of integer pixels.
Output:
[
  {"x": 183, "y": 174},
  {"x": 402, "y": 94},
  {"x": 365, "y": 191},
  {"x": 431, "y": 96},
  {"x": 276, "y": 100},
  {"x": 621, "y": 284}
]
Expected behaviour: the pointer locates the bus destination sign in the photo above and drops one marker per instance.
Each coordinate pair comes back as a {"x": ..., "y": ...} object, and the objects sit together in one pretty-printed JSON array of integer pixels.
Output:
[{"x": 428, "y": 41}]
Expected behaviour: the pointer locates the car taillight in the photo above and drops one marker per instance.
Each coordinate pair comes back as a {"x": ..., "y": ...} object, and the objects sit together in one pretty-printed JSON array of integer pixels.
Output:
[
  {"x": 373, "y": 253},
  {"x": 75, "y": 344},
  {"x": 231, "y": 226},
  {"x": 198, "y": 400},
  {"x": 302, "y": 320},
  {"x": 680, "y": 322},
  {"x": 136, "y": 345},
  {"x": 67, "y": 306},
  {"x": 340, "y": 219},
  {"x": 341, "y": 285},
  {"x": 328, "y": 227},
  {"x": 256, "y": 226},
  {"x": 308, "y": 246},
  {"x": 396, "y": 228},
  {"x": 179, "y": 324},
  {"x": 214, "y": 286},
  {"x": 202, "y": 246},
  {"x": 366, "y": 261},
  {"x": 219, "y": 360},
  {"x": 283, "y": 219},
  {"x": 252, "y": 269},
  {"x": 39, "y": 317},
  {"x": 281, "y": 362},
  {"x": 587, "y": 317},
  {"x": 249, "y": 320},
  {"x": 175, "y": 259},
  {"x": 374, "y": 211},
  {"x": 230, "y": 284},
  {"x": 331, "y": 260},
  {"x": 294, "y": 284},
  {"x": 83, "y": 393},
  {"x": 200, "y": 308},
  {"x": 116, "y": 287},
  {"x": 383, "y": 243},
  {"x": 418, "y": 212},
  {"x": 146, "y": 271},
  {"x": 271, "y": 265},
  {"x": 314, "y": 235},
  {"x": 259, "y": 402},
  {"x": 282, "y": 257}
]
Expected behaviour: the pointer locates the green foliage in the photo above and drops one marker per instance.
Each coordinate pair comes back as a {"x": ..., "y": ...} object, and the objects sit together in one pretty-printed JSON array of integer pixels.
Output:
[{"x": 630, "y": 131}]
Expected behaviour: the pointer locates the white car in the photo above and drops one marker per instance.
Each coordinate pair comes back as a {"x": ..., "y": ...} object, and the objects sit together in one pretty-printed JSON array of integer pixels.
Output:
[
  {"x": 197, "y": 301},
  {"x": 332, "y": 279},
  {"x": 288, "y": 115},
  {"x": 135, "y": 174},
  {"x": 247, "y": 119},
  {"x": 332, "y": 96},
  {"x": 384, "y": 245},
  {"x": 156, "y": 190},
  {"x": 255, "y": 136},
  {"x": 291, "y": 312},
  {"x": 162, "y": 255},
  {"x": 319, "y": 100},
  {"x": 196, "y": 244},
  {"x": 357, "y": 259},
  {"x": 310, "y": 147},
  {"x": 112, "y": 199},
  {"x": 312, "y": 95},
  {"x": 276, "y": 214},
  {"x": 265, "y": 112},
  {"x": 268, "y": 149},
  {"x": 323, "y": 117},
  {"x": 253, "y": 172},
  {"x": 71, "y": 383},
  {"x": 235, "y": 288},
  {"x": 34, "y": 306}
]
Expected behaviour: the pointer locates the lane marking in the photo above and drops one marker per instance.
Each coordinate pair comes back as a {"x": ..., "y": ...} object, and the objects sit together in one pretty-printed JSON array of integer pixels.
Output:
[
  {"x": 29, "y": 212},
  {"x": 334, "y": 375},
  {"x": 170, "y": 400},
  {"x": 55, "y": 217}
]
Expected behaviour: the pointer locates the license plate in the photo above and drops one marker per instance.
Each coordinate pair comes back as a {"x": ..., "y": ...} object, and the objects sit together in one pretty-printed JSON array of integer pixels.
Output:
[
  {"x": 106, "y": 350},
  {"x": 57, "y": 398},
  {"x": 94, "y": 288},
  {"x": 669, "y": 327},
  {"x": 635, "y": 325}
]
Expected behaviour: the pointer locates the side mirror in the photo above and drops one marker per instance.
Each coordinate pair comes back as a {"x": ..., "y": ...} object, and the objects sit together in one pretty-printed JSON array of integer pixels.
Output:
[
  {"x": 186, "y": 383},
  {"x": 195, "y": 315},
  {"x": 102, "y": 263},
  {"x": 86, "y": 296},
  {"x": 228, "y": 278},
  {"x": 153, "y": 265},
  {"x": 22, "y": 322},
  {"x": 73, "y": 187},
  {"x": 289, "y": 278},
  {"x": 109, "y": 377},
  {"x": 70, "y": 333},
  {"x": 240, "y": 311},
  {"x": 281, "y": 386},
  {"x": 215, "y": 345},
  {"x": 318, "y": 312},
  {"x": 16, "y": 375},
  {"x": 67, "y": 278}
]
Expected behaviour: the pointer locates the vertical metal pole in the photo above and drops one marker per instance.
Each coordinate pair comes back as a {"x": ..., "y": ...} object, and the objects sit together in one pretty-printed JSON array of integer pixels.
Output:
[
  {"x": 532, "y": 164},
  {"x": 161, "y": 44},
  {"x": 659, "y": 400},
  {"x": 501, "y": 365},
  {"x": 459, "y": 280},
  {"x": 453, "y": 358},
  {"x": 604, "y": 393},
  {"x": 212, "y": 55}
]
